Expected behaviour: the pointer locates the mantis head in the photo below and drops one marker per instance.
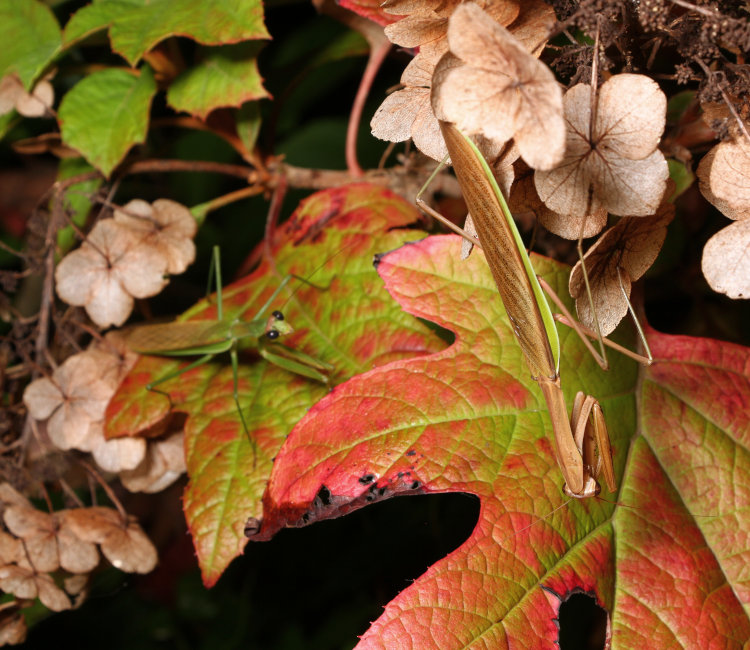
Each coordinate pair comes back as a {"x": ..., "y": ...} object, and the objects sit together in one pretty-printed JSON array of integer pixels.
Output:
[{"x": 276, "y": 326}]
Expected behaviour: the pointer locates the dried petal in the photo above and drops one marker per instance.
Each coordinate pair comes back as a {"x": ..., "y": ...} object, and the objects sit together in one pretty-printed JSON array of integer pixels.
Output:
[
  {"x": 630, "y": 247},
  {"x": 726, "y": 260},
  {"x": 39, "y": 532},
  {"x": 704, "y": 183},
  {"x": 501, "y": 92},
  {"x": 37, "y": 103},
  {"x": 51, "y": 595},
  {"x": 164, "y": 463},
  {"x": 408, "y": 113},
  {"x": 76, "y": 555},
  {"x": 729, "y": 178},
  {"x": 11, "y": 549},
  {"x": 118, "y": 454},
  {"x": 42, "y": 397},
  {"x": 11, "y": 89}
]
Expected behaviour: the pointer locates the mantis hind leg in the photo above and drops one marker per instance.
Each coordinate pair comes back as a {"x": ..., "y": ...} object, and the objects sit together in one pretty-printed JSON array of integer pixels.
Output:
[
  {"x": 585, "y": 333},
  {"x": 236, "y": 396},
  {"x": 301, "y": 364}
]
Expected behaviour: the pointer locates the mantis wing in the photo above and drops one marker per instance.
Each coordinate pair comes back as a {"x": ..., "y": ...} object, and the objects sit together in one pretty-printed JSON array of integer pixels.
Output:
[
  {"x": 516, "y": 281},
  {"x": 180, "y": 338}
]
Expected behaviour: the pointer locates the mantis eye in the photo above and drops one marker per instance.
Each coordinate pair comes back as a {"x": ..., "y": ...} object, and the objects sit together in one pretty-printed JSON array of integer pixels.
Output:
[
  {"x": 272, "y": 334},
  {"x": 277, "y": 315}
]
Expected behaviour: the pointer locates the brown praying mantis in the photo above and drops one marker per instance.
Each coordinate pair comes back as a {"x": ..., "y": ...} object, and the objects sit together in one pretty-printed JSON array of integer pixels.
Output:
[
  {"x": 207, "y": 338},
  {"x": 582, "y": 443}
]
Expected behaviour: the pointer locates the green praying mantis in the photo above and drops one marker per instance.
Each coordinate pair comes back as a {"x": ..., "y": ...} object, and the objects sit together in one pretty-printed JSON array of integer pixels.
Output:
[
  {"x": 582, "y": 445},
  {"x": 208, "y": 338}
]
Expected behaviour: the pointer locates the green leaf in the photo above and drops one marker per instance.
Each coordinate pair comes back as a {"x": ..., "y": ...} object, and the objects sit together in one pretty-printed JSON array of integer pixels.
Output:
[
  {"x": 30, "y": 36},
  {"x": 248, "y": 125},
  {"x": 106, "y": 113},
  {"x": 347, "y": 320},
  {"x": 7, "y": 122},
  {"x": 77, "y": 201},
  {"x": 682, "y": 176},
  {"x": 228, "y": 76},
  {"x": 135, "y": 26}
]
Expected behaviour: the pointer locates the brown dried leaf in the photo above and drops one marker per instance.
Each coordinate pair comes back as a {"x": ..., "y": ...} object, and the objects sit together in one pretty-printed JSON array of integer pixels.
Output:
[
  {"x": 108, "y": 271},
  {"x": 502, "y": 91},
  {"x": 124, "y": 544},
  {"x": 631, "y": 246},
  {"x": 617, "y": 168},
  {"x": 164, "y": 463},
  {"x": 167, "y": 226},
  {"x": 726, "y": 260}
]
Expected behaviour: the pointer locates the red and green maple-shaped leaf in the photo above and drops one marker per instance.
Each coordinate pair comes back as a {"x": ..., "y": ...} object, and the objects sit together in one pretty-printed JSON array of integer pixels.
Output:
[
  {"x": 470, "y": 419},
  {"x": 347, "y": 320}
]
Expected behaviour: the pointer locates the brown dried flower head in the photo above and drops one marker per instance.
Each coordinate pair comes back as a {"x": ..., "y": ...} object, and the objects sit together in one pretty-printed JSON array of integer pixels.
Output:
[
  {"x": 500, "y": 91},
  {"x": 613, "y": 162},
  {"x": 167, "y": 226},
  {"x": 109, "y": 269}
]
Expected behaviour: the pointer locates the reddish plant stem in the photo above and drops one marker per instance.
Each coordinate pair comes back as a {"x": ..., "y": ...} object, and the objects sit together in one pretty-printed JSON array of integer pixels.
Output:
[{"x": 374, "y": 61}]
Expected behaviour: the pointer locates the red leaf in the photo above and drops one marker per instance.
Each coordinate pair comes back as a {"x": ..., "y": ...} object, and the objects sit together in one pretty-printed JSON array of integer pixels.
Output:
[
  {"x": 348, "y": 320},
  {"x": 469, "y": 419},
  {"x": 370, "y": 9}
]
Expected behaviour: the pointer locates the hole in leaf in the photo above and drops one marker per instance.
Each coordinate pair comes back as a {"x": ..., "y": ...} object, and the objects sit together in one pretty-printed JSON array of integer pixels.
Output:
[{"x": 583, "y": 624}]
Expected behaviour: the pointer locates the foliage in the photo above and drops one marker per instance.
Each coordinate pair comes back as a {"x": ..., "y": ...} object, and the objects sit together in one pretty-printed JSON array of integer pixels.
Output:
[{"x": 403, "y": 379}]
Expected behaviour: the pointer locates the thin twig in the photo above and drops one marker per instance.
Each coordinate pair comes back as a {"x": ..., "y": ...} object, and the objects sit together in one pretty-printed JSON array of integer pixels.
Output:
[{"x": 105, "y": 486}]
